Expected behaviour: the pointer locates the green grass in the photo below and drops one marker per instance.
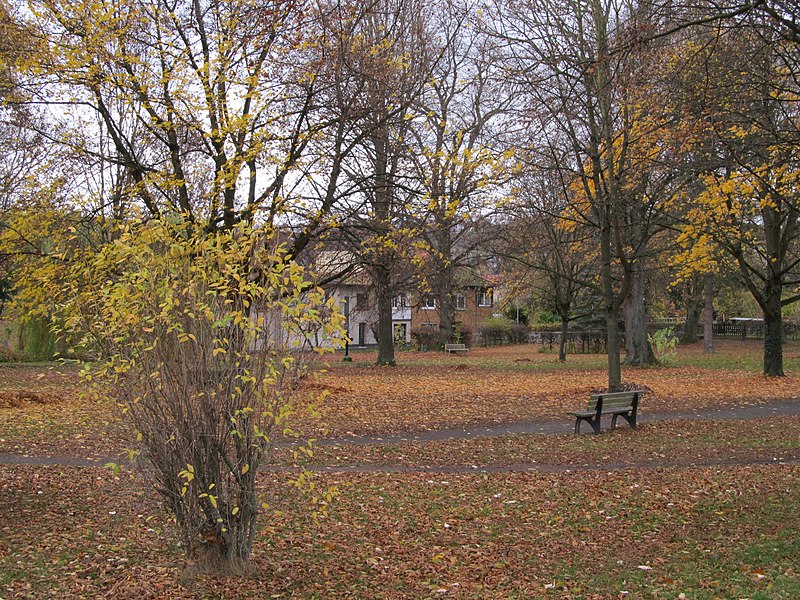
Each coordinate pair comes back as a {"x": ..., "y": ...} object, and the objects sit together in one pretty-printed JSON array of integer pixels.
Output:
[{"x": 728, "y": 355}]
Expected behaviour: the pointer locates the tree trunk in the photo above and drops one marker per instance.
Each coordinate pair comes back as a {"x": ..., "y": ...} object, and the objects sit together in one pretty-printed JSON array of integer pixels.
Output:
[
  {"x": 446, "y": 318},
  {"x": 638, "y": 347},
  {"x": 708, "y": 314},
  {"x": 611, "y": 309},
  {"x": 382, "y": 207},
  {"x": 562, "y": 345},
  {"x": 385, "y": 332},
  {"x": 443, "y": 283},
  {"x": 612, "y": 342},
  {"x": 694, "y": 308},
  {"x": 692, "y": 324},
  {"x": 773, "y": 337}
]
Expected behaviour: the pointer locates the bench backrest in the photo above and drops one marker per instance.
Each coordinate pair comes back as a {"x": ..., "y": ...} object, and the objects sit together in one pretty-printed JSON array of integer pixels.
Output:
[
  {"x": 614, "y": 400},
  {"x": 455, "y": 346}
]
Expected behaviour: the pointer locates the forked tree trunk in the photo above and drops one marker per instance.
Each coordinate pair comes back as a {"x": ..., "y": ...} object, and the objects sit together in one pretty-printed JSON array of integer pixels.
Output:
[{"x": 637, "y": 345}]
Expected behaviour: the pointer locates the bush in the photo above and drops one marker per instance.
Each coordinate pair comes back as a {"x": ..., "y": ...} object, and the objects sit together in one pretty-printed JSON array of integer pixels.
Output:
[
  {"x": 39, "y": 341},
  {"x": 496, "y": 329},
  {"x": 543, "y": 317},
  {"x": 664, "y": 342},
  {"x": 549, "y": 326},
  {"x": 425, "y": 339},
  {"x": 205, "y": 342}
]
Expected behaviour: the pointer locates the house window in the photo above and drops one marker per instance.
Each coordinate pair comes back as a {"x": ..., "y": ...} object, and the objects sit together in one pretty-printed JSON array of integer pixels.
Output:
[
  {"x": 428, "y": 325},
  {"x": 400, "y": 301},
  {"x": 428, "y": 302},
  {"x": 485, "y": 298},
  {"x": 362, "y": 301},
  {"x": 460, "y": 301}
]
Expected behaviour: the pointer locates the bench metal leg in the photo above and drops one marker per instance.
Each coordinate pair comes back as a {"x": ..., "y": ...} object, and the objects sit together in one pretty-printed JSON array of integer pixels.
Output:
[{"x": 593, "y": 421}]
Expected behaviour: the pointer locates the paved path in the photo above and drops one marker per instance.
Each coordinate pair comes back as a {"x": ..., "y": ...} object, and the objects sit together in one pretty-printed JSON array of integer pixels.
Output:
[
  {"x": 766, "y": 409},
  {"x": 566, "y": 425}
]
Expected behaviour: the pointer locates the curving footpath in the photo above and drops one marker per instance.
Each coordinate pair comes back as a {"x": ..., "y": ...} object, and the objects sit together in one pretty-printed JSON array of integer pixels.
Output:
[{"x": 563, "y": 426}]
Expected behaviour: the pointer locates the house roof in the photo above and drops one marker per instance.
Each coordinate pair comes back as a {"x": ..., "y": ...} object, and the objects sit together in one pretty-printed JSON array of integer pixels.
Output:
[{"x": 338, "y": 266}]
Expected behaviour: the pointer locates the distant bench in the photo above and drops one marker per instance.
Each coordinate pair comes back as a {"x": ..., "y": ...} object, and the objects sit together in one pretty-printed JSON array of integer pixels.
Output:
[
  {"x": 450, "y": 348},
  {"x": 617, "y": 404}
]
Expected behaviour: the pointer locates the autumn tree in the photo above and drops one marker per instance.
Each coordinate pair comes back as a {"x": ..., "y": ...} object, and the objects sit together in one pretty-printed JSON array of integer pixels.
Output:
[
  {"x": 553, "y": 256},
  {"x": 577, "y": 61},
  {"x": 214, "y": 109},
  {"x": 460, "y": 158},
  {"x": 385, "y": 53},
  {"x": 748, "y": 207}
]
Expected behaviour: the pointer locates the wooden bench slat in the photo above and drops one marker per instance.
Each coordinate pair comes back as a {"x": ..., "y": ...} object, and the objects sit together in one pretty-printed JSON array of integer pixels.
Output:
[
  {"x": 609, "y": 403},
  {"x": 612, "y": 395}
]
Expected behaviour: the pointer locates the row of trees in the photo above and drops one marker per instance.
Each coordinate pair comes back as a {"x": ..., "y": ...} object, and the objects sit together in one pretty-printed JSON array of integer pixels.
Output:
[
  {"x": 401, "y": 128},
  {"x": 369, "y": 125},
  {"x": 590, "y": 142},
  {"x": 664, "y": 138}
]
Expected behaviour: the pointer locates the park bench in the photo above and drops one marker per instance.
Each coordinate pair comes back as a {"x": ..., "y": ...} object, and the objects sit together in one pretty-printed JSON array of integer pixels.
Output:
[
  {"x": 450, "y": 348},
  {"x": 624, "y": 404}
]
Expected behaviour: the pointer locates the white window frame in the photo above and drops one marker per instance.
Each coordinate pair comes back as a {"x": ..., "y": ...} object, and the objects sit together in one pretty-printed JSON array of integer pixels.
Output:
[
  {"x": 400, "y": 301},
  {"x": 460, "y": 302},
  {"x": 485, "y": 298},
  {"x": 427, "y": 302}
]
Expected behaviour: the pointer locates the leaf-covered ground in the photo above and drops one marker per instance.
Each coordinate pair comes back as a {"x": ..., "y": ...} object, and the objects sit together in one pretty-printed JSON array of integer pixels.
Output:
[
  {"x": 681, "y": 442},
  {"x": 518, "y": 383},
  {"x": 708, "y": 509},
  {"x": 44, "y": 410},
  {"x": 652, "y": 533}
]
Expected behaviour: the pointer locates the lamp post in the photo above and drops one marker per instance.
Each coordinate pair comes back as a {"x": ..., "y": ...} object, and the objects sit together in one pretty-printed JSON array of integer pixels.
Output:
[{"x": 346, "y": 311}]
